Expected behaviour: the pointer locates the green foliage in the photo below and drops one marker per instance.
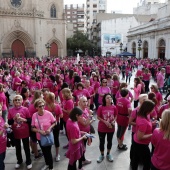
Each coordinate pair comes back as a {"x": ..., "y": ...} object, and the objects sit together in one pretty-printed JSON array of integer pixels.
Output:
[{"x": 79, "y": 41}]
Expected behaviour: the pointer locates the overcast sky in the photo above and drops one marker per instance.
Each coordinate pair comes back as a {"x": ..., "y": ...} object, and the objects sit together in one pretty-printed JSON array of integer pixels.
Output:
[{"x": 125, "y": 6}]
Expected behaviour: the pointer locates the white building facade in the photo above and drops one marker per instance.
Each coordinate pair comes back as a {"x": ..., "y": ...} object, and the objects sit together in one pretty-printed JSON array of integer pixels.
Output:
[
  {"x": 26, "y": 26},
  {"x": 155, "y": 36},
  {"x": 94, "y": 7}
]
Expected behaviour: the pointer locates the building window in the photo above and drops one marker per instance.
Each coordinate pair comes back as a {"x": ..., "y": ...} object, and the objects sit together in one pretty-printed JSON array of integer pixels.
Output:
[{"x": 53, "y": 11}]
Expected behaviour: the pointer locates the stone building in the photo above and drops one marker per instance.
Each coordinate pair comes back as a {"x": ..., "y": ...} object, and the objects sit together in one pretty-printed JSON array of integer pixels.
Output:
[
  {"x": 154, "y": 36},
  {"x": 28, "y": 27}
]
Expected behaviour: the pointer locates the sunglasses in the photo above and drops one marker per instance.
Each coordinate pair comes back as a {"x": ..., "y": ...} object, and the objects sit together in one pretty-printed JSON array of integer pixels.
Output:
[
  {"x": 17, "y": 100},
  {"x": 41, "y": 106},
  {"x": 104, "y": 82}
]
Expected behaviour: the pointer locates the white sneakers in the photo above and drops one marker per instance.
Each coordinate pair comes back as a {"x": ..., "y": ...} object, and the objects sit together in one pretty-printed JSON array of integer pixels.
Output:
[
  {"x": 29, "y": 166},
  {"x": 45, "y": 167},
  {"x": 18, "y": 166},
  {"x": 57, "y": 159}
]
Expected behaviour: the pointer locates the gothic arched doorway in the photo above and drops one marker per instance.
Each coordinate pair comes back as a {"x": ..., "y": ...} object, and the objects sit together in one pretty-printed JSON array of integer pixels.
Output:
[
  {"x": 18, "y": 48},
  {"x": 145, "y": 49},
  {"x": 161, "y": 49},
  {"x": 54, "y": 49},
  {"x": 134, "y": 48}
]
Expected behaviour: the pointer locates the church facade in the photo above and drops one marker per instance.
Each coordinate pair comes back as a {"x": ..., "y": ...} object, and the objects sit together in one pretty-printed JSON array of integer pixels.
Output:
[
  {"x": 153, "y": 38},
  {"x": 32, "y": 28}
]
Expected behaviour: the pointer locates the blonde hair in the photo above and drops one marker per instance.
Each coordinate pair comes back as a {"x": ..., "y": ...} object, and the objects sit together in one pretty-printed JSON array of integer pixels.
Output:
[
  {"x": 165, "y": 123},
  {"x": 18, "y": 96},
  {"x": 66, "y": 92},
  {"x": 37, "y": 94},
  {"x": 38, "y": 101},
  {"x": 50, "y": 100}
]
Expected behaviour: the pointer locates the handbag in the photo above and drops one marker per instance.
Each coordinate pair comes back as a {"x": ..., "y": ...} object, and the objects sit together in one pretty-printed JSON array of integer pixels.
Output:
[{"x": 46, "y": 140}]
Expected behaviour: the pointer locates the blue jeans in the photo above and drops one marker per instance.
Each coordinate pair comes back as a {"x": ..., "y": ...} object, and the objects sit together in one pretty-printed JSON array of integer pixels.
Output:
[{"x": 2, "y": 157}]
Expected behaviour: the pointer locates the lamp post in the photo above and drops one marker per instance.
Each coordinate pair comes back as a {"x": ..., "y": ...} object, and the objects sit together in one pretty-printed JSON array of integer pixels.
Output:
[
  {"x": 121, "y": 45},
  {"x": 139, "y": 46},
  {"x": 48, "y": 47}
]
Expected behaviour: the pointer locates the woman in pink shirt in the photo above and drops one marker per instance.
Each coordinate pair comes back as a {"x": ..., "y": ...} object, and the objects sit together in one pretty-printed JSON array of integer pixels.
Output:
[
  {"x": 106, "y": 114},
  {"x": 124, "y": 109},
  {"x": 102, "y": 90},
  {"x": 142, "y": 136},
  {"x": 85, "y": 122},
  {"x": 16, "y": 81},
  {"x": 132, "y": 120},
  {"x": 20, "y": 119},
  {"x": 81, "y": 91},
  {"x": 42, "y": 123},
  {"x": 56, "y": 110},
  {"x": 137, "y": 91},
  {"x": 161, "y": 141},
  {"x": 76, "y": 137},
  {"x": 3, "y": 140},
  {"x": 146, "y": 79},
  {"x": 154, "y": 89},
  {"x": 67, "y": 106},
  {"x": 3, "y": 102}
]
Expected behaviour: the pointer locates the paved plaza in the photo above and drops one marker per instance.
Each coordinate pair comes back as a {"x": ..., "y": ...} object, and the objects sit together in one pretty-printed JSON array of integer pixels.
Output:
[{"x": 121, "y": 158}]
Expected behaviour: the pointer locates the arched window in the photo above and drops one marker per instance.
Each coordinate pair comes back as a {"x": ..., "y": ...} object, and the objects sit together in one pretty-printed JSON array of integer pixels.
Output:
[{"x": 53, "y": 11}]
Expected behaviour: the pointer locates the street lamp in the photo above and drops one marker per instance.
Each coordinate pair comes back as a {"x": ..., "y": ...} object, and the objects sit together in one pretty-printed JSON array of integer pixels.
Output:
[
  {"x": 121, "y": 45},
  {"x": 139, "y": 46},
  {"x": 48, "y": 47}
]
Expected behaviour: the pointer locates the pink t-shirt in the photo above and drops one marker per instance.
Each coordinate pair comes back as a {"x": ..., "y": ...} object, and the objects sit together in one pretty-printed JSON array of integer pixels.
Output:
[
  {"x": 57, "y": 111},
  {"x": 146, "y": 77},
  {"x": 107, "y": 113},
  {"x": 32, "y": 109},
  {"x": 46, "y": 120},
  {"x": 103, "y": 90},
  {"x": 163, "y": 107},
  {"x": 79, "y": 93},
  {"x": 123, "y": 104},
  {"x": 160, "y": 158},
  {"x": 116, "y": 85},
  {"x": 67, "y": 105},
  {"x": 129, "y": 96},
  {"x": 91, "y": 92},
  {"x": 3, "y": 100},
  {"x": 134, "y": 116},
  {"x": 160, "y": 80},
  {"x": 143, "y": 125},
  {"x": 3, "y": 137},
  {"x": 137, "y": 91},
  {"x": 75, "y": 151},
  {"x": 159, "y": 98},
  {"x": 21, "y": 130},
  {"x": 85, "y": 117}
]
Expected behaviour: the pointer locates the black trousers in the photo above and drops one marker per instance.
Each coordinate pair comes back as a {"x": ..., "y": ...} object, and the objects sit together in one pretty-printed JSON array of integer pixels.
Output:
[
  {"x": 61, "y": 124},
  {"x": 26, "y": 147},
  {"x": 47, "y": 155},
  {"x": 136, "y": 103},
  {"x": 153, "y": 167},
  {"x": 141, "y": 152},
  {"x": 56, "y": 132},
  {"x": 102, "y": 136},
  {"x": 64, "y": 123},
  {"x": 146, "y": 85},
  {"x": 74, "y": 167},
  {"x": 131, "y": 148}
]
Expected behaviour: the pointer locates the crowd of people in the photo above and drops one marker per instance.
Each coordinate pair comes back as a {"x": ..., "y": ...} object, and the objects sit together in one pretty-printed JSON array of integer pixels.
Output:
[{"x": 54, "y": 96}]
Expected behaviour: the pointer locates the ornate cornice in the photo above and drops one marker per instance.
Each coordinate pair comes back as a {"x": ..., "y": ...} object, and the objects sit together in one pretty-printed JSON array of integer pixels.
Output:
[{"x": 28, "y": 13}]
